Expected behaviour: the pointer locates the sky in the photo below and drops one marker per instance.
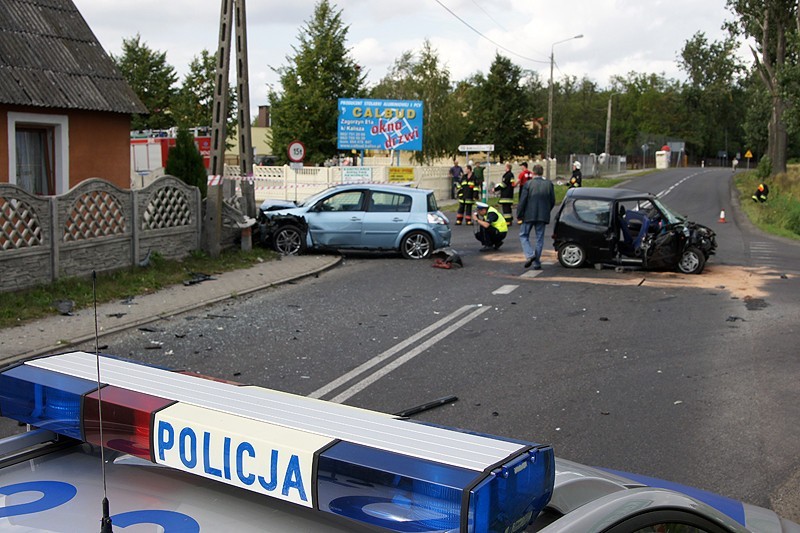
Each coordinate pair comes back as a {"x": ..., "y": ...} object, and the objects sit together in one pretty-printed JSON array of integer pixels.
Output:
[{"x": 619, "y": 36}]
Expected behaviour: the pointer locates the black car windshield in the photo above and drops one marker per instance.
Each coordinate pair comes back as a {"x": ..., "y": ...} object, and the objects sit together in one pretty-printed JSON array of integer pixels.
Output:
[{"x": 672, "y": 216}]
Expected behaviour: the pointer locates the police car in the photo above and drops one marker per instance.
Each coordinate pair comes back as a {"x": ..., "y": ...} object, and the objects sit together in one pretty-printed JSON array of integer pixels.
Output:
[{"x": 118, "y": 445}]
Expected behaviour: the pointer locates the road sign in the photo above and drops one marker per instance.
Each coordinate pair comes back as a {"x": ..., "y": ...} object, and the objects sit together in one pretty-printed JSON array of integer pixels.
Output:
[
  {"x": 476, "y": 148},
  {"x": 748, "y": 154},
  {"x": 296, "y": 151}
]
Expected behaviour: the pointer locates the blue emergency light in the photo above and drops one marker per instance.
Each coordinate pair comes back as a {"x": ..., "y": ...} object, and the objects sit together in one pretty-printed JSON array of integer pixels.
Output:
[{"x": 369, "y": 467}]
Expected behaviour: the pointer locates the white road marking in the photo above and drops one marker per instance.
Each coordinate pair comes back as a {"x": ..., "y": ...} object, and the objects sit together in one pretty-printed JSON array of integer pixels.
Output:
[
  {"x": 530, "y": 274},
  {"x": 338, "y": 382},
  {"x": 505, "y": 289},
  {"x": 378, "y": 374}
]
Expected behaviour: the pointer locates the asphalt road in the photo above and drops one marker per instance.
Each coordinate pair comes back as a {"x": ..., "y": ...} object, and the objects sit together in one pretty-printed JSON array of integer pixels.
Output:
[{"x": 687, "y": 378}]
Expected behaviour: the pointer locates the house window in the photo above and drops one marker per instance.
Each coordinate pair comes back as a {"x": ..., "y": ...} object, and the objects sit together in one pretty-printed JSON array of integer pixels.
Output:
[
  {"x": 38, "y": 153},
  {"x": 35, "y": 158}
]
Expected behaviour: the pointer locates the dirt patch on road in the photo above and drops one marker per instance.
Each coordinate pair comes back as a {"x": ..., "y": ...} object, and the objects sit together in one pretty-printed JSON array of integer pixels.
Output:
[{"x": 745, "y": 283}]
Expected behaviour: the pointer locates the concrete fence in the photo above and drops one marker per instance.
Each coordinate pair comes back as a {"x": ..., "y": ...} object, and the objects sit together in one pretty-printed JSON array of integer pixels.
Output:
[
  {"x": 95, "y": 226},
  {"x": 286, "y": 183}
]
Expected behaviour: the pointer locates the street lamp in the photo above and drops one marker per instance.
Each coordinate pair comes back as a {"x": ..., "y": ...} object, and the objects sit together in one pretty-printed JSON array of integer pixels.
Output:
[{"x": 550, "y": 103}]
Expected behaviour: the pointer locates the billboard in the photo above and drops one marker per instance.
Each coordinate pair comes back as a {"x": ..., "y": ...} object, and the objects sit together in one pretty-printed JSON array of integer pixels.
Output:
[{"x": 367, "y": 124}]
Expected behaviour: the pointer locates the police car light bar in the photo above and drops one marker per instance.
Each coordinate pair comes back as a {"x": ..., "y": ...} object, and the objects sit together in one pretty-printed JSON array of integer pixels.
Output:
[{"x": 370, "y": 467}]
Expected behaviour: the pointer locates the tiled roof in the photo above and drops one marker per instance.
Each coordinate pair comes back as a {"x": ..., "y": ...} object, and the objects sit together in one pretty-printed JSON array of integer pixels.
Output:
[{"x": 49, "y": 57}]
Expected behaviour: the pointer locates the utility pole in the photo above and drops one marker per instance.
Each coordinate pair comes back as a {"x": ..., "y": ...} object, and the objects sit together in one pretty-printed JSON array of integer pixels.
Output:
[
  {"x": 212, "y": 225},
  {"x": 608, "y": 129},
  {"x": 243, "y": 95},
  {"x": 212, "y": 232}
]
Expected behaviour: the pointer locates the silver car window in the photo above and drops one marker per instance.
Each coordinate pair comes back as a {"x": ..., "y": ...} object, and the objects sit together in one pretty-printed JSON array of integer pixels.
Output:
[
  {"x": 387, "y": 202},
  {"x": 343, "y": 201}
]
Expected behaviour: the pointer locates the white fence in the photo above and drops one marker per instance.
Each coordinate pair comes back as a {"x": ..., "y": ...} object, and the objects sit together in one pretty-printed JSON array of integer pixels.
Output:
[{"x": 286, "y": 183}]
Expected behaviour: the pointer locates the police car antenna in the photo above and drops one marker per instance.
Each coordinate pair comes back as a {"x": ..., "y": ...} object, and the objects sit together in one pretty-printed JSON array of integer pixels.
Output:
[{"x": 105, "y": 522}]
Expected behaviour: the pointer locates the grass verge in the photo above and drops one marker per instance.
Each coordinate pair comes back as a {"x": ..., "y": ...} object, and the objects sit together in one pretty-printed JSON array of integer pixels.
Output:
[
  {"x": 37, "y": 302},
  {"x": 780, "y": 214}
]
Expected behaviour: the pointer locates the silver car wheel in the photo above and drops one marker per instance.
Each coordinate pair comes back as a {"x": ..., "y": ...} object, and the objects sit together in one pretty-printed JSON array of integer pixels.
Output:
[
  {"x": 288, "y": 240},
  {"x": 416, "y": 245},
  {"x": 692, "y": 261},
  {"x": 571, "y": 255}
]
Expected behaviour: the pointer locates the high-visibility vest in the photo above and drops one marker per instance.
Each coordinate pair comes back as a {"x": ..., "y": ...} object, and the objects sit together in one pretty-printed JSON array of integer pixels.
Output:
[{"x": 499, "y": 224}]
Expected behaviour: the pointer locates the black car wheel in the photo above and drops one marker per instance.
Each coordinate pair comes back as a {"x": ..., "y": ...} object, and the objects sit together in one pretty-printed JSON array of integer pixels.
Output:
[
  {"x": 289, "y": 240},
  {"x": 571, "y": 255},
  {"x": 692, "y": 261},
  {"x": 416, "y": 245}
]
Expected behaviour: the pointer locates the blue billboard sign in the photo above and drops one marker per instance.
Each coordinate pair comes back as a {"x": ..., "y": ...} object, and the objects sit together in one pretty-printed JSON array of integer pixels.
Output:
[{"x": 366, "y": 124}]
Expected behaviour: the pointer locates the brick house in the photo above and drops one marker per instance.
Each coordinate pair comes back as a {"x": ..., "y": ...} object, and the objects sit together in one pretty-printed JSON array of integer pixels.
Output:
[{"x": 65, "y": 109}]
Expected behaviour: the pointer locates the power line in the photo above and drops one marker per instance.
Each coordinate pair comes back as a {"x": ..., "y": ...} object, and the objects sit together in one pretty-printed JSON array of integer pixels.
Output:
[
  {"x": 465, "y": 23},
  {"x": 489, "y": 15}
]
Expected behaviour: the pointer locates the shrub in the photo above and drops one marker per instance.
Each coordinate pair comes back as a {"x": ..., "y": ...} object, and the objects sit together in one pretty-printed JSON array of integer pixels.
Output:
[
  {"x": 764, "y": 169},
  {"x": 185, "y": 162}
]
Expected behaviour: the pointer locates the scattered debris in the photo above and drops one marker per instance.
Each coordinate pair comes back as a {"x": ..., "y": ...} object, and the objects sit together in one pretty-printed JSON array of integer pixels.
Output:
[
  {"x": 734, "y": 319},
  {"x": 446, "y": 258},
  {"x": 219, "y": 316},
  {"x": 427, "y": 406},
  {"x": 144, "y": 263},
  {"x": 128, "y": 301},
  {"x": 677, "y": 402},
  {"x": 605, "y": 413},
  {"x": 784, "y": 276},
  {"x": 116, "y": 315},
  {"x": 148, "y": 329},
  {"x": 495, "y": 413},
  {"x": 603, "y": 319},
  {"x": 198, "y": 277},
  {"x": 64, "y": 307}
]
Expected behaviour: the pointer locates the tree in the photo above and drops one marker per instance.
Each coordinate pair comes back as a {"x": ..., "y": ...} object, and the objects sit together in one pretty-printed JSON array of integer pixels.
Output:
[
  {"x": 713, "y": 95},
  {"x": 423, "y": 77},
  {"x": 319, "y": 73},
  {"x": 774, "y": 25},
  {"x": 185, "y": 162},
  {"x": 193, "y": 103},
  {"x": 499, "y": 110},
  {"x": 151, "y": 78}
]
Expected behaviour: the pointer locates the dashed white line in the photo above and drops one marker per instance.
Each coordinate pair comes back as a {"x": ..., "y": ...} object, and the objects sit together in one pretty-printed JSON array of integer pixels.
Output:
[{"x": 505, "y": 289}]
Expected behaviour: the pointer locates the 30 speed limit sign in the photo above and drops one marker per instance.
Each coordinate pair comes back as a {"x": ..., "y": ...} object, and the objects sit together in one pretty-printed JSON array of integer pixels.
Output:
[{"x": 297, "y": 151}]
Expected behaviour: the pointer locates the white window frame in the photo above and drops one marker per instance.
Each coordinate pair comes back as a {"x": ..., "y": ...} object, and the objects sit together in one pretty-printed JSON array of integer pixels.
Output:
[{"x": 60, "y": 125}]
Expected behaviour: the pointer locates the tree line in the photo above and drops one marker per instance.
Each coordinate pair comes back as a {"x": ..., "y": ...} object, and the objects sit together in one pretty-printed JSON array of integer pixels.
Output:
[{"x": 724, "y": 106}]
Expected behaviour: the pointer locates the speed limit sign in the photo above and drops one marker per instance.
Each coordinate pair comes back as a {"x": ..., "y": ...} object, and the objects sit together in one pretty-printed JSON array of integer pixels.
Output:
[{"x": 297, "y": 151}]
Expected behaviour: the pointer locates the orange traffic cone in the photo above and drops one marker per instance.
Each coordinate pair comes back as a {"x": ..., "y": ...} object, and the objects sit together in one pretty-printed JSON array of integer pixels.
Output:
[{"x": 722, "y": 216}]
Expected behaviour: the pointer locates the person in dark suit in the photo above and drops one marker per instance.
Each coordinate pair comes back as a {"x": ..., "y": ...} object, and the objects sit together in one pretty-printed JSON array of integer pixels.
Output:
[{"x": 537, "y": 199}]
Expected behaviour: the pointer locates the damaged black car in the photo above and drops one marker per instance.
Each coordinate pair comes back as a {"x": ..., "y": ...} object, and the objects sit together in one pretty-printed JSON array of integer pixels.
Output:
[{"x": 621, "y": 227}]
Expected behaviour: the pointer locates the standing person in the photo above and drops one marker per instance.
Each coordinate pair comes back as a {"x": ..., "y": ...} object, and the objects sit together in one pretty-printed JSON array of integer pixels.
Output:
[
  {"x": 478, "y": 173},
  {"x": 466, "y": 197},
  {"x": 523, "y": 178},
  {"x": 506, "y": 190},
  {"x": 577, "y": 178},
  {"x": 535, "y": 203},
  {"x": 455, "y": 177},
  {"x": 492, "y": 228},
  {"x": 735, "y": 163}
]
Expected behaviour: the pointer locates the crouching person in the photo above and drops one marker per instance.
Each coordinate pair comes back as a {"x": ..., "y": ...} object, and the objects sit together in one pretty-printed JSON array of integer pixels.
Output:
[{"x": 491, "y": 227}]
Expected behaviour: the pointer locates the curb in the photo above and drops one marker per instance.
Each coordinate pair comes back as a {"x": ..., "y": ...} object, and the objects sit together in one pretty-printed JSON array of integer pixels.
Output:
[{"x": 57, "y": 348}]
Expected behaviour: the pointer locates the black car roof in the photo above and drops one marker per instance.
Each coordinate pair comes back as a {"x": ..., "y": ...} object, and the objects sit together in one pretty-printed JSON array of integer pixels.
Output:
[{"x": 602, "y": 193}]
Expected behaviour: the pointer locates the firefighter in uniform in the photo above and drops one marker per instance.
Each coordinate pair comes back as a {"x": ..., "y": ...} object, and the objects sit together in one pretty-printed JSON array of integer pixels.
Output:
[
  {"x": 761, "y": 193},
  {"x": 492, "y": 227},
  {"x": 466, "y": 198},
  {"x": 506, "y": 190},
  {"x": 577, "y": 177}
]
